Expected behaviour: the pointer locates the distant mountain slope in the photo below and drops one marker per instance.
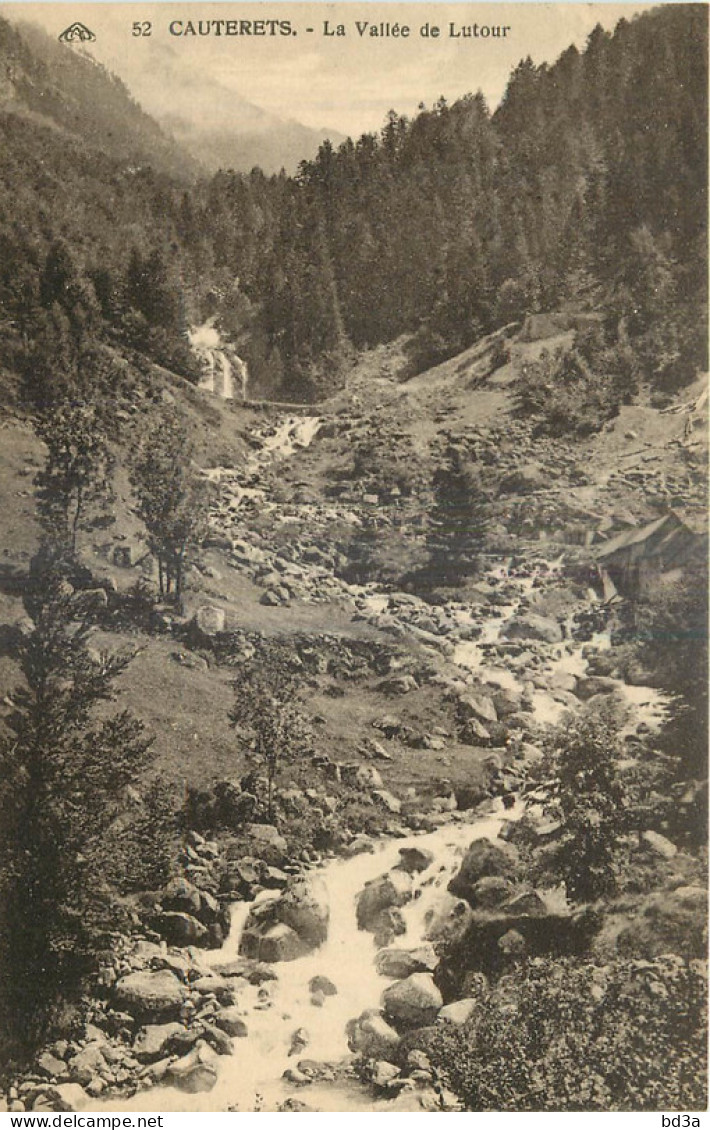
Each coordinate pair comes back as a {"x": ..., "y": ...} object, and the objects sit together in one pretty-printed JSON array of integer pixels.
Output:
[
  {"x": 262, "y": 140},
  {"x": 64, "y": 87},
  {"x": 218, "y": 125}
]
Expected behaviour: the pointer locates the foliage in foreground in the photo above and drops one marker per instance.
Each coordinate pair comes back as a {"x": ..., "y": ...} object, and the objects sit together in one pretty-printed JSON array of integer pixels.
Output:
[
  {"x": 565, "y": 1036},
  {"x": 66, "y": 764}
]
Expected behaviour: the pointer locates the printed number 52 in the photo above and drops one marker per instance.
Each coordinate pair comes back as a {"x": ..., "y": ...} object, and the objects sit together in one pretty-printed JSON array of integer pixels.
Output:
[{"x": 142, "y": 28}]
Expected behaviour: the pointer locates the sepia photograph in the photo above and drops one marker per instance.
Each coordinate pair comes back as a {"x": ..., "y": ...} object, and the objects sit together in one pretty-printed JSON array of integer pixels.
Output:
[{"x": 353, "y": 559}]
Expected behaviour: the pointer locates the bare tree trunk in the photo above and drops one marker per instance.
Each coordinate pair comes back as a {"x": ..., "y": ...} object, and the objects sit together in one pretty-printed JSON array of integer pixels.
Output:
[{"x": 77, "y": 516}]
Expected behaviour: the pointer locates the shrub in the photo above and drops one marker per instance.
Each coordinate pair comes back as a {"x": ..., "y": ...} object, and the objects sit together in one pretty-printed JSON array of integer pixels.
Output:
[
  {"x": 590, "y": 799},
  {"x": 568, "y": 1036}
]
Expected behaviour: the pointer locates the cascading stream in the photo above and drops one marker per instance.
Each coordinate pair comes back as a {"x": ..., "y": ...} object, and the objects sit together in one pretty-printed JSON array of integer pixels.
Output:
[{"x": 347, "y": 958}]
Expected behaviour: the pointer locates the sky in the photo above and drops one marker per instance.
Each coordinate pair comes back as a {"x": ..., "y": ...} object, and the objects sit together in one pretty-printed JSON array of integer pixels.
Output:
[{"x": 338, "y": 83}]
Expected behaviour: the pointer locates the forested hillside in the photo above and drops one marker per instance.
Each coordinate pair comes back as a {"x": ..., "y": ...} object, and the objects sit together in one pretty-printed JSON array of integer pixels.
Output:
[
  {"x": 584, "y": 190},
  {"x": 353, "y": 600}
]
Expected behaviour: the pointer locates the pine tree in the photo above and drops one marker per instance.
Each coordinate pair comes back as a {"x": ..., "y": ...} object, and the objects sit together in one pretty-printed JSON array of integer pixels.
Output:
[
  {"x": 172, "y": 499},
  {"x": 74, "y": 486},
  {"x": 64, "y": 771}
]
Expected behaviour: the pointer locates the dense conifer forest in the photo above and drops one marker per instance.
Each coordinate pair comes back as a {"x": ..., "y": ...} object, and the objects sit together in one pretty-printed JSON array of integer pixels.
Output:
[
  {"x": 353, "y": 718},
  {"x": 584, "y": 189}
]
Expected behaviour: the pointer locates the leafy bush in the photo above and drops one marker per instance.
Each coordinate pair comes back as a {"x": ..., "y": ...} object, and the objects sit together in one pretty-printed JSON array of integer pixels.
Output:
[
  {"x": 575, "y": 391},
  {"x": 582, "y": 753},
  {"x": 576, "y": 1036}
]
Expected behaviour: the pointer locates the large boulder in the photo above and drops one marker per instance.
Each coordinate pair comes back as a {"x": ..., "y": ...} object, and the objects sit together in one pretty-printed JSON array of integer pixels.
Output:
[
  {"x": 231, "y": 1021},
  {"x": 179, "y": 929},
  {"x": 62, "y": 1097},
  {"x": 483, "y": 858},
  {"x": 414, "y": 1002},
  {"x": 210, "y": 620},
  {"x": 371, "y": 1036},
  {"x": 280, "y": 943},
  {"x": 414, "y": 859},
  {"x": 152, "y": 1042},
  {"x": 449, "y": 921},
  {"x": 400, "y": 963},
  {"x": 180, "y": 894},
  {"x": 458, "y": 1012},
  {"x": 87, "y": 1063},
  {"x": 490, "y": 891},
  {"x": 285, "y": 927},
  {"x": 194, "y": 1072},
  {"x": 148, "y": 994},
  {"x": 531, "y": 626},
  {"x": 595, "y": 684},
  {"x": 475, "y": 705},
  {"x": 304, "y": 907},
  {"x": 391, "y": 890},
  {"x": 268, "y": 843},
  {"x": 388, "y": 925}
]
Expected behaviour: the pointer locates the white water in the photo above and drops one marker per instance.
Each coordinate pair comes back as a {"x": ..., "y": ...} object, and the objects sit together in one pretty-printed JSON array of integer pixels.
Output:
[
  {"x": 290, "y": 435},
  {"x": 222, "y": 369},
  {"x": 347, "y": 958}
]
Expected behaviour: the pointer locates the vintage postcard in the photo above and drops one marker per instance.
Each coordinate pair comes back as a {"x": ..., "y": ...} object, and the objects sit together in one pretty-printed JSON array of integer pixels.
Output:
[{"x": 353, "y": 558}]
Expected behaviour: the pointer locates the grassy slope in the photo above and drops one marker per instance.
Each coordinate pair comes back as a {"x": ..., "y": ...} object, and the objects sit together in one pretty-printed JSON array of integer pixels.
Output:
[{"x": 187, "y": 708}]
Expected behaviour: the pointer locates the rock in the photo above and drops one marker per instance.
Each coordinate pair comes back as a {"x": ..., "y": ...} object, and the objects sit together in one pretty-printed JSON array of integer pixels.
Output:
[
  {"x": 87, "y": 1063},
  {"x": 152, "y": 1041},
  {"x": 391, "y": 890},
  {"x": 194, "y": 1072},
  {"x": 450, "y": 921},
  {"x": 458, "y": 1012},
  {"x": 659, "y": 844},
  {"x": 388, "y": 925},
  {"x": 414, "y": 859},
  {"x": 475, "y": 733},
  {"x": 383, "y": 1073},
  {"x": 512, "y": 944},
  {"x": 472, "y": 704},
  {"x": 526, "y": 903},
  {"x": 400, "y": 684},
  {"x": 219, "y": 987},
  {"x": 231, "y": 1021},
  {"x": 595, "y": 684},
  {"x": 387, "y": 800},
  {"x": 210, "y": 620},
  {"x": 280, "y": 943},
  {"x": 371, "y": 1036},
  {"x": 217, "y": 1039},
  {"x": 506, "y": 702},
  {"x": 178, "y": 928},
  {"x": 181, "y": 895},
  {"x": 527, "y": 478},
  {"x": 490, "y": 892},
  {"x": 299, "y": 1040},
  {"x": 320, "y": 984},
  {"x": 413, "y": 1002},
  {"x": 360, "y": 844},
  {"x": 530, "y": 626},
  {"x": 361, "y": 776},
  {"x": 53, "y": 1068},
  {"x": 62, "y": 1097},
  {"x": 483, "y": 858},
  {"x": 304, "y": 907},
  {"x": 401, "y": 963},
  {"x": 270, "y": 843},
  {"x": 149, "y": 993}
]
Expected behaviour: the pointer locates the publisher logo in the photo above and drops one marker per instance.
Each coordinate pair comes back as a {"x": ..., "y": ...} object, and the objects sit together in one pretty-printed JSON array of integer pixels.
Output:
[{"x": 77, "y": 33}]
